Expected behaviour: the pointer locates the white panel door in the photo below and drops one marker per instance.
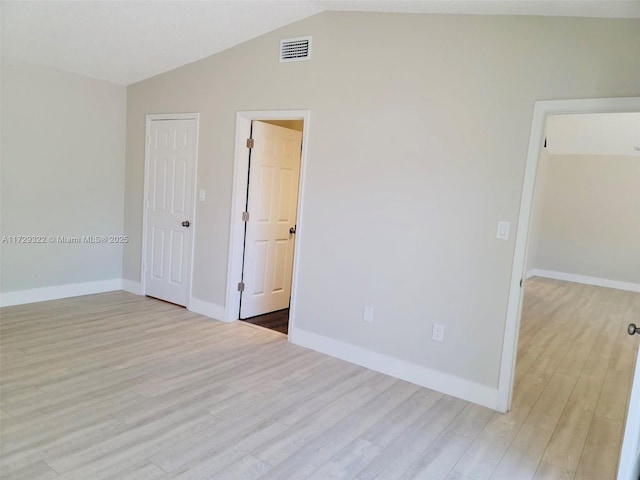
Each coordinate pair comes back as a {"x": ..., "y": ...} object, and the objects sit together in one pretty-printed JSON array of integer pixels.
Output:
[
  {"x": 170, "y": 186},
  {"x": 629, "y": 468},
  {"x": 274, "y": 173}
]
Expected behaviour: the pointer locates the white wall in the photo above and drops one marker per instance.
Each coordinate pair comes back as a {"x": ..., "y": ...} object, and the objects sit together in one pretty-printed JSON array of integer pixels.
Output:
[
  {"x": 63, "y": 157},
  {"x": 589, "y": 223},
  {"x": 417, "y": 146}
]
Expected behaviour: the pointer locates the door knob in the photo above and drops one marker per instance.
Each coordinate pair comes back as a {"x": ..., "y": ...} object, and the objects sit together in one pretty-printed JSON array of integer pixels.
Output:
[
  {"x": 186, "y": 223},
  {"x": 633, "y": 329},
  {"x": 292, "y": 230}
]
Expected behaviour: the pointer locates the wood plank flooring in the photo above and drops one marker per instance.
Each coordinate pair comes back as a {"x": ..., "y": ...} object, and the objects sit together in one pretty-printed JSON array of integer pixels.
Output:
[
  {"x": 278, "y": 321},
  {"x": 116, "y": 386}
]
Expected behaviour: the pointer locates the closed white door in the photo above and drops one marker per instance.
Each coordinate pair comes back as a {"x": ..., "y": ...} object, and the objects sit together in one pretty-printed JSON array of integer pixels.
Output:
[
  {"x": 629, "y": 468},
  {"x": 272, "y": 205},
  {"x": 171, "y": 155}
]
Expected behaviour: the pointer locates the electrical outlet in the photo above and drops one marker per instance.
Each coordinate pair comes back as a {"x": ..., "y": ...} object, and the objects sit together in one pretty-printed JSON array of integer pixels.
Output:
[
  {"x": 438, "y": 332},
  {"x": 367, "y": 316}
]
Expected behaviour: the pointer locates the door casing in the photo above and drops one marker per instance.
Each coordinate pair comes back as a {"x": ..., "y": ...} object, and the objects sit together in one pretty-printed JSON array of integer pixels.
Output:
[
  {"x": 514, "y": 306},
  {"x": 629, "y": 466},
  {"x": 158, "y": 117},
  {"x": 238, "y": 200}
]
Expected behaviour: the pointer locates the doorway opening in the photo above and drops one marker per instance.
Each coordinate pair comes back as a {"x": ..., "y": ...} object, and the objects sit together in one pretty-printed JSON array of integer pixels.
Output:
[
  {"x": 266, "y": 217},
  {"x": 277, "y": 321},
  {"x": 569, "y": 320}
]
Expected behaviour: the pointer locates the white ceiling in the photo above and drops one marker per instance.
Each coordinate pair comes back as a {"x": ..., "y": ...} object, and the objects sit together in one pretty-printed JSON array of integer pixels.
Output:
[{"x": 128, "y": 41}]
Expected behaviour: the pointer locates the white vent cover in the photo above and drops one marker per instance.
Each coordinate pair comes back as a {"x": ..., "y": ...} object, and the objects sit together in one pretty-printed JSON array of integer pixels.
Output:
[{"x": 295, "y": 49}]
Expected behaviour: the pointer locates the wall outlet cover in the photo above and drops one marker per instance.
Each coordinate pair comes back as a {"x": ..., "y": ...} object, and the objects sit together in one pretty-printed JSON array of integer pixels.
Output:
[{"x": 438, "y": 332}]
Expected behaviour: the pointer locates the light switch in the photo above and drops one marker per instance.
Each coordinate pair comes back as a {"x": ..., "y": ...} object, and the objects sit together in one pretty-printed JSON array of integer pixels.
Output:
[
  {"x": 503, "y": 230},
  {"x": 368, "y": 314},
  {"x": 202, "y": 195}
]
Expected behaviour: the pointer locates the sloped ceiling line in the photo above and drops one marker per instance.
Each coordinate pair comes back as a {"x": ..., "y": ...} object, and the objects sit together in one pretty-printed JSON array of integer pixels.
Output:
[{"x": 128, "y": 41}]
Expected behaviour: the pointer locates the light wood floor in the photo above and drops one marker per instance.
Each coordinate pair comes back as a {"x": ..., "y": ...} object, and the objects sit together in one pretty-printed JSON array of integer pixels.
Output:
[{"x": 116, "y": 386}]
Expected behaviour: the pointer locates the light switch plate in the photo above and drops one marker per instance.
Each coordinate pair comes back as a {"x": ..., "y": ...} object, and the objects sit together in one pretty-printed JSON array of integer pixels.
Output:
[
  {"x": 503, "y": 230},
  {"x": 202, "y": 195},
  {"x": 367, "y": 315}
]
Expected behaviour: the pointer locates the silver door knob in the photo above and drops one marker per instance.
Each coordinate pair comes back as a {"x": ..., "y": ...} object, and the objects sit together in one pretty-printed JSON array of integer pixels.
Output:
[
  {"x": 186, "y": 223},
  {"x": 633, "y": 329}
]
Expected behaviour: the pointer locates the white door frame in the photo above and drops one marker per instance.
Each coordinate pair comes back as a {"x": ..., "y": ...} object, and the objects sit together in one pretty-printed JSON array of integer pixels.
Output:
[
  {"x": 147, "y": 133},
  {"x": 239, "y": 198},
  {"x": 629, "y": 468},
  {"x": 514, "y": 306}
]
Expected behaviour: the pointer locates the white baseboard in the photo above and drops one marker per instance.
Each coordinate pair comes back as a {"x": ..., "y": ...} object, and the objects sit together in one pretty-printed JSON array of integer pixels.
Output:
[
  {"x": 131, "y": 286},
  {"x": 207, "y": 309},
  {"x": 60, "y": 291},
  {"x": 231, "y": 314},
  {"x": 411, "y": 372},
  {"x": 572, "y": 277},
  {"x": 34, "y": 295}
]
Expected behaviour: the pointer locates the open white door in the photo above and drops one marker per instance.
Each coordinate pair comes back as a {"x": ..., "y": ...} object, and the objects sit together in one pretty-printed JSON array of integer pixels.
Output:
[
  {"x": 272, "y": 205},
  {"x": 171, "y": 157},
  {"x": 629, "y": 468}
]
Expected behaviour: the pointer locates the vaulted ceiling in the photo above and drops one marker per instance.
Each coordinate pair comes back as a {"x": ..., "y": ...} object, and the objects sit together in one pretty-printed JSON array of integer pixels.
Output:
[{"x": 128, "y": 41}]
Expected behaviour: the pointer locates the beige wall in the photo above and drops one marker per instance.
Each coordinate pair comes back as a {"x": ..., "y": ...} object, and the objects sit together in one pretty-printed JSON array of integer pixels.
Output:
[
  {"x": 63, "y": 159},
  {"x": 594, "y": 134},
  {"x": 589, "y": 223},
  {"x": 417, "y": 145}
]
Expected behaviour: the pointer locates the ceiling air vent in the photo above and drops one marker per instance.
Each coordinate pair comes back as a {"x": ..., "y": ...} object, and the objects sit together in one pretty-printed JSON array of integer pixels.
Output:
[{"x": 295, "y": 49}]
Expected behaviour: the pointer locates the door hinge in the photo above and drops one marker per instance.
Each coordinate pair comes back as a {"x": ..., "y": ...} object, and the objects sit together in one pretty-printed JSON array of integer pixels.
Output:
[
  {"x": 148, "y": 139},
  {"x": 520, "y": 283},
  {"x": 241, "y": 287},
  {"x": 245, "y": 216},
  {"x": 250, "y": 142}
]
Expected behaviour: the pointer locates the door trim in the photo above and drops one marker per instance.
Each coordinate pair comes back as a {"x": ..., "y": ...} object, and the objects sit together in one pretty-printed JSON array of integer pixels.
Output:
[
  {"x": 514, "y": 306},
  {"x": 629, "y": 462},
  {"x": 238, "y": 199},
  {"x": 147, "y": 132}
]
